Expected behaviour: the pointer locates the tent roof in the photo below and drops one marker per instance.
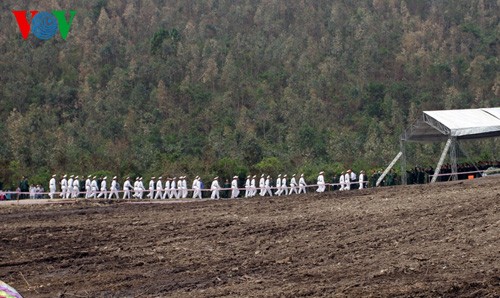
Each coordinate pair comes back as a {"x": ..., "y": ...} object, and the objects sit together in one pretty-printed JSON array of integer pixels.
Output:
[{"x": 463, "y": 124}]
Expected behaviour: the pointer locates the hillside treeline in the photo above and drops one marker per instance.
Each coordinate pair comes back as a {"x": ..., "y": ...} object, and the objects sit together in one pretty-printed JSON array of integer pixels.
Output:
[{"x": 148, "y": 87}]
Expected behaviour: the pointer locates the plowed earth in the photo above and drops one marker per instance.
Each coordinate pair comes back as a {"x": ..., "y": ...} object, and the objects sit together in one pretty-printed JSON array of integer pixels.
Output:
[{"x": 416, "y": 241}]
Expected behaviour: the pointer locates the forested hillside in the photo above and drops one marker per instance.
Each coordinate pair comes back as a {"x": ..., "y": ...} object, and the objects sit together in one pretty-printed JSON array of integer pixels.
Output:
[{"x": 229, "y": 86}]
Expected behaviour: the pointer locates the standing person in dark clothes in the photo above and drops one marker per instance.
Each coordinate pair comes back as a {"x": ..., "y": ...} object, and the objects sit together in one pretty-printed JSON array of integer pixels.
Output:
[
  {"x": 389, "y": 179},
  {"x": 420, "y": 176},
  {"x": 24, "y": 186},
  {"x": 353, "y": 180},
  {"x": 335, "y": 182},
  {"x": 375, "y": 176},
  {"x": 227, "y": 186}
]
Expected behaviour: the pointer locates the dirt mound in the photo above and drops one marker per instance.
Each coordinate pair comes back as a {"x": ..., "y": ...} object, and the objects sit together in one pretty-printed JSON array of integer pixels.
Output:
[{"x": 414, "y": 241}]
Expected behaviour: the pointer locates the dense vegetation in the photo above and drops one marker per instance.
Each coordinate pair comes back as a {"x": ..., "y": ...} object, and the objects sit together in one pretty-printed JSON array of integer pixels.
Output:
[{"x": 230, "y": 86}]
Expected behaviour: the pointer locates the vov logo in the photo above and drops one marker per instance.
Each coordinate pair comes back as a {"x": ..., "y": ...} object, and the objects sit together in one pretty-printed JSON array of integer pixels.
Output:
[{"x": 44, "y": 24}]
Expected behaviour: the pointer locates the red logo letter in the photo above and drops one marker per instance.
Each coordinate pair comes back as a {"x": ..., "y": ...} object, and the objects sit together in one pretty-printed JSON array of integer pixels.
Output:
[{"x": 22, "y": 21}]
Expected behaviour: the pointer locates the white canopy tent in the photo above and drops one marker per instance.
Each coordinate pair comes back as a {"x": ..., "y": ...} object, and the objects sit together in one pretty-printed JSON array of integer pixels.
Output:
[{"x": 449, "y": 126}]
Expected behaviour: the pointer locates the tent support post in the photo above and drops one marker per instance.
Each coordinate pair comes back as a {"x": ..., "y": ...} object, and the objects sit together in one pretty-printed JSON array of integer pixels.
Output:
[
  {"x": 441, "y": 160},
  {"x": 403, "y": 161},
  {"x": 388, "y": 168},
  {"x": 453, "y": 158}
]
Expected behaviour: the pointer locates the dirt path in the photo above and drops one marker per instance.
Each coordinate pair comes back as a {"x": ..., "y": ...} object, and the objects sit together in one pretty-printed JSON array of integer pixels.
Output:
[{"x": 415, "y": 241}]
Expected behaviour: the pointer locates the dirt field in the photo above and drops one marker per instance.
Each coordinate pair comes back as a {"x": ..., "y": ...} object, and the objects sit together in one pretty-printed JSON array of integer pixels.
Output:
[{"x": 416, "y": 241}]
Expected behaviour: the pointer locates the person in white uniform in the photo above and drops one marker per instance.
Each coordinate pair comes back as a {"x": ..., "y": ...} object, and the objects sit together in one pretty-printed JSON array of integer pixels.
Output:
[
  {"x": 278, "y": 186},
  {"x": 166, "y": 194},
  {"x": 293, "y": 185},
  {"x": 184, "y": 187},
  {"x": 93, "y": 188},
  {"x": 302, "y": 184},
  {"x": 267, "y": 186},
  {"x": 64, "y": 187},
  {"x": 361, "y": 179},
  {"x": 126, "y": 188},
  {"x": 76, "y": 188},
  {"x": 247, "y": 187},
  {"x": 52, "y": 186},
  {"x": 104, "y": 188},
  {"x": 262, "y": 185},
  {"x": 113, "y": 189},
  {"x": 342, "y": 181},
  {"x": 88, "y": 188},
  {"x": 196, "y": 188},
  {"x": 141, "y": 188},
  {"x": 136, "y": 188},
  {"x": 235, "y": 192},
  {"x": 173, "y": 189},
  {"x": 159, "y": 189},
  {"x": 253, "y": 189},
  {"x": 69, "y": 190},
  {"x": 151, "y": 188},
  {"x": 284, "y": 188},
  {"x": 347, "y": 182},
  {"x": 215, "y": 187},
  {"x": 321, "y": 182}
]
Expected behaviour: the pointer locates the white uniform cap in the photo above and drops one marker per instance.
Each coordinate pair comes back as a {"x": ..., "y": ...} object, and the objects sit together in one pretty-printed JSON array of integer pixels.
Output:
[
  {"x": 114, "y": 178},
  {"x": 71, "y": 176},
  {"x": 321, "y": 172},
  {"x": 53, "y": 176},
  {"x": 254, "y": 176},
  {"x": 76, "y": 177},
  {"x": 105, "y": 178},
  {"x": 159, "y": 178},
  {"x": 216, "y": 178},
  {"x": 89, "y": 176},
  {"x": 153, "y": 178},
  {"x": 65, "y": 176},
  {"x": 284, "y": 176},
  {"x": 235, "y": 177},
  {"x": 94, "y": 177},
  {"x": 279, "y": 175}
]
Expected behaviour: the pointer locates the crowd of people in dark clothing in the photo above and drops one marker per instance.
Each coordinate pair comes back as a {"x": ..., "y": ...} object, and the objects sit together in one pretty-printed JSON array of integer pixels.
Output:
[{"x": 421, "y": 175}]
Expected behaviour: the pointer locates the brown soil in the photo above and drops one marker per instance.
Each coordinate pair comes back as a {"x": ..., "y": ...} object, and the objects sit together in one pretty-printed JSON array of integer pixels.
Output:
[{"x": 415, "y": 241}]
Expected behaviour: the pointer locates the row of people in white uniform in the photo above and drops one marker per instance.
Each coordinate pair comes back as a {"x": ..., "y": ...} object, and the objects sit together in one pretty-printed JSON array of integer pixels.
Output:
[
  {"x": 345, "y": 180},
  {"x": 177, "y": 188},
  {"x": 70, "y": 188},
  {"x": 264, "y": 185}
]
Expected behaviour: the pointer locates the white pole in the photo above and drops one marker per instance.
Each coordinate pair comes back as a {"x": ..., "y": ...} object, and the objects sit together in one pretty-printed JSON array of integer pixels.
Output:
[
  {"x": 389, "y": 168},
  {"x": 441, "y": 160}
]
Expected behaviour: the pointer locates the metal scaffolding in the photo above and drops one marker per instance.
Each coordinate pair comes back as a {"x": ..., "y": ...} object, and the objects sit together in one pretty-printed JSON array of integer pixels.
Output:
[{"x": 450, "y": 126}]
